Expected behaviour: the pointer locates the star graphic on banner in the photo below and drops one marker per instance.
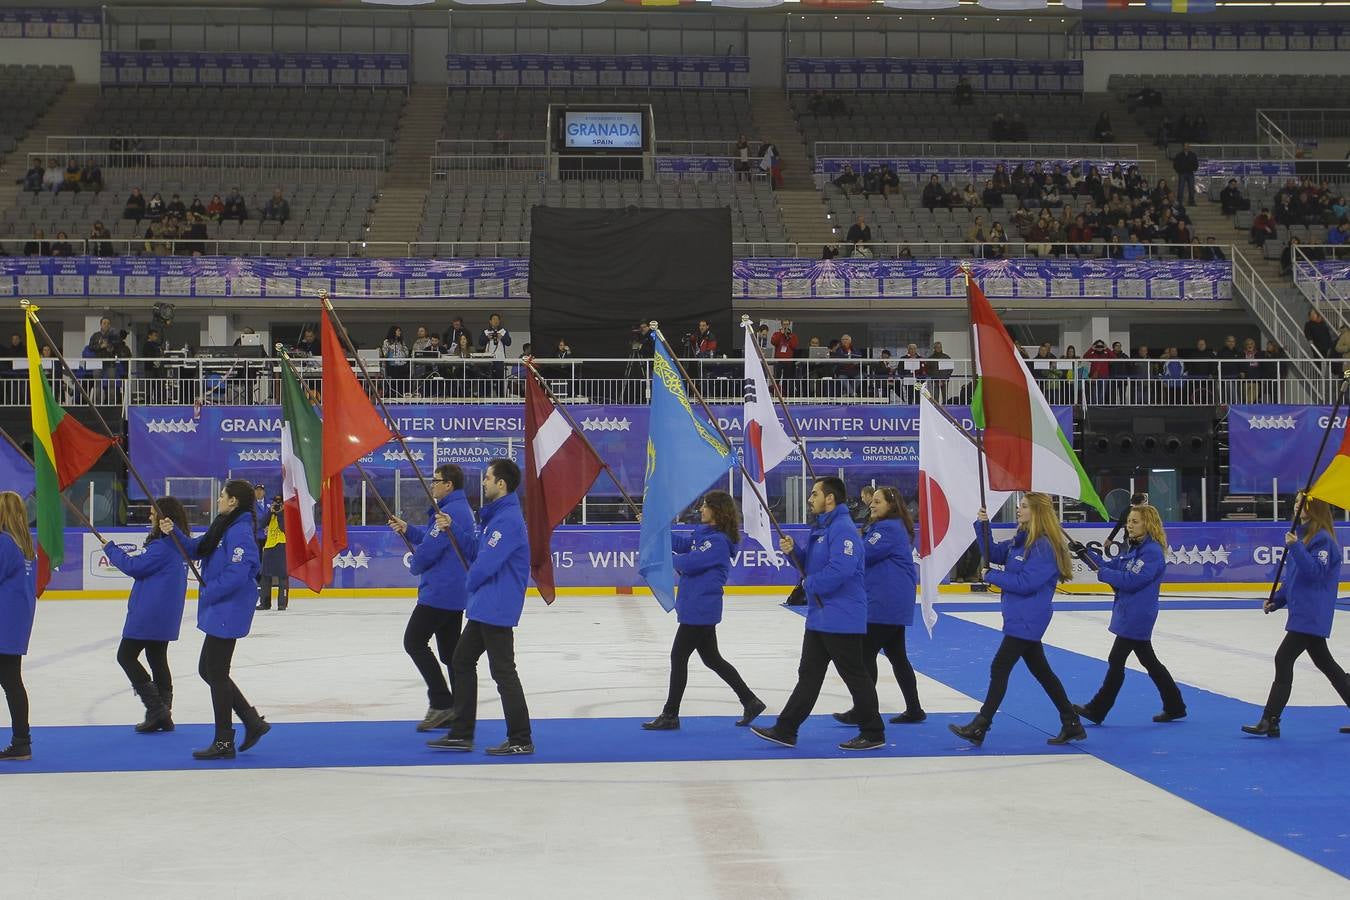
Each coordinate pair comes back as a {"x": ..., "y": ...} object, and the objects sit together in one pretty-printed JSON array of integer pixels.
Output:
[{"x": 1221, "y": 555}]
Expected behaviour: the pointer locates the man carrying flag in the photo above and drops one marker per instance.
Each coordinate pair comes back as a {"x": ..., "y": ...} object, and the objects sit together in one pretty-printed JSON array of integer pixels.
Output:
[
  {"x": 560, "y": 467},
  {"x": 949, "y": 499},
  {"x": 63, "y": 450},
  {"x": 684, "y": 456},
  {"x": 1024, "y": 447},
  {"x": 766, "y": 445}
]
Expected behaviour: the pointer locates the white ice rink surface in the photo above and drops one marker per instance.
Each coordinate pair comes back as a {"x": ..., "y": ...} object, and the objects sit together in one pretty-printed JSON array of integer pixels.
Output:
[{"x": 968, "y": 823}]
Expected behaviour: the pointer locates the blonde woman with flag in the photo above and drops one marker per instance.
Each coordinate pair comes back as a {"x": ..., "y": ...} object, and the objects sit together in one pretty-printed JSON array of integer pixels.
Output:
[
  {"x": 18, "y": 604},
  {"x": 1309, "y": 593},
  {"x": 1034, "y": 561},
  {"x": 1136, "y": 575}
]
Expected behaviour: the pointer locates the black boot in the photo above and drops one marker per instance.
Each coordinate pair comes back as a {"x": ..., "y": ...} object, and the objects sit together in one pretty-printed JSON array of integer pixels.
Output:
[
  {"x": 1087, "y": 712},
  {"x": 663, "y": 722},
  {"x": 974, "y": 731},
  {"x": 1070, "y": 729},
  {"x": 1269, "y": 726},
  {"x": 846, "y": 718},
  {"x": 19, "y": 750},
  {"x": 157, "y": 716},
  {"x": 221, "y": 748},
  {"x": 750, "y": 711},
  {"x": 255, "y": 726},
  {"x": 909, "y": 717},
  {"x": 1345, "y": 729}
]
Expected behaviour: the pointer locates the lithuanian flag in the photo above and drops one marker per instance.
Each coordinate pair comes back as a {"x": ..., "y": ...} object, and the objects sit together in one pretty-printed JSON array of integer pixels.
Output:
[{"x": 63, "y": 450}]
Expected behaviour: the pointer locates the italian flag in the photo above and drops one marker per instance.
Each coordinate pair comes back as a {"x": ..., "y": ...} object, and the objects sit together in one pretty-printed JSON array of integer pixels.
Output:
[
  {"x": 301, "y": 450},
  {"x": 1024, "y": 447},
  {"x": 63, "y": 450}
]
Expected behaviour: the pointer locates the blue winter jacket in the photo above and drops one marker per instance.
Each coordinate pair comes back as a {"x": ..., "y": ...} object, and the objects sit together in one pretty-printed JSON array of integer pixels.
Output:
[
  {"x": 891, "y": 575},
  {"x": 434, "y": 561},
  {"x": 499, "y": 565},
  {"x": 1311, "y": 582},
  {"x": 229, "y": 593},
  {"x": 18, "y": 597},
  {"x": 704, "y": 561},
  {"x": 833, "y": 561},
  {"x": 1028, "y": 582},
  {"x": 155, "y": 610},
  {"x": 1136, "y": 574}
]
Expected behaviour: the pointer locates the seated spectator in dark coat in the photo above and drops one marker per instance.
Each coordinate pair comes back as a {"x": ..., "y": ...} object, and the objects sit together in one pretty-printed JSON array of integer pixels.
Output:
[
  {"x": 1263, "y": 227},
  {"x": 1231, "y": 199},
  {"x": 91, "y": 177},
  {"x": 234, "y": 207},
  {"x": 154, "y": 207},
  {"x": 963, "y": 94},
  {"x": 37, "y": 245},
  {"x": 135, "y": 206},
  {"x": 992, "y": 196},
  {"x": 871, "y": 182},
  {"x": 1286, "y": 214},
  {"x": 934, "y": 194},
  {"x": 1287, "y": 257},
  {"x": 1213, "y": 252},
  {"x": 847, "y": 180},
  {"x": 1319, "y": 334},
  {"x": 100, "y": 241},
  {"x": 195, "y": 235},
  {"x": 859, "y": 232},
  {"x": 61, "y": 246},
  {"x": 196, "y": 207},
  {"x": 890, "y": 182},
  {"x": 32, "y": 179},
  {"x": 175, "y": 207},
  {"x": 277, "y": 209}
]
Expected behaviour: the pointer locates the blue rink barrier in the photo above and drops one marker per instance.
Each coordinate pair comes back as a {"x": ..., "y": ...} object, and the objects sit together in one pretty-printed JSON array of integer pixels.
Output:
[{"x": 601, "y": 558}]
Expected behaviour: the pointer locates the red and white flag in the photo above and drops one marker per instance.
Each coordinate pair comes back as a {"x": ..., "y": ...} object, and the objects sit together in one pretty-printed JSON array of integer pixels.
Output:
[
  {"x": 765, "y": 445},
  {"x": 560, "y": 468},
  {"x": 949, "y": 500}
]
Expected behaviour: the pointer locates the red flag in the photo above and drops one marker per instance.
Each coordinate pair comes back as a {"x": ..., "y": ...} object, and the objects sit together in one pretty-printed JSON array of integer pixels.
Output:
[
  {"x": 560, "y": 468},
  {"x": 351, "y": 429}
]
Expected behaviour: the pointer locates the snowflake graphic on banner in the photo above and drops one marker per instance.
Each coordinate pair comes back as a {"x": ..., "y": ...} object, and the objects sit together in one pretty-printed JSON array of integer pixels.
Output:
[{"x": 170, "y": 426}]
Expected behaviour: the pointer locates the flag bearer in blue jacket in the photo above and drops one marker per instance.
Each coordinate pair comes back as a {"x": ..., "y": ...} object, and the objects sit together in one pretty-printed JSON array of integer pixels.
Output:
[
  {"x": 499, "y": 567},
  {"x": 704, "y": 562},
  {"x": 1136, "y": 574},
  {"x": 18, "y": 603},
  {"x": 836, "y": 622},
  {"x": 226, "y": 602},
  {"x": 891, "y": 578},
  {"x": 154, "y": 614},
  {"x": 1034, "y": 561},
  {"x": 441, "y": 595},
  {"x": 1311, "y": 582}
]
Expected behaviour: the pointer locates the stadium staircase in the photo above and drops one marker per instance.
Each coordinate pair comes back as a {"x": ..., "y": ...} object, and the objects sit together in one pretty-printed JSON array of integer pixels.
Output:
[
  {"x": 403, "y": 194},
  {"x": 64, "y": 117},
  {"x": 804, "y": 215}
]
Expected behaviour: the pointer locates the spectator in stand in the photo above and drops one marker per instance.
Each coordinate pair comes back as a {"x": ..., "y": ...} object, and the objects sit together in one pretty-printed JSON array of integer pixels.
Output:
[
  {"x": 1212, "y": 251},
  {"x": 564, "y": 350},
  {"x": 784, "y": 343},
  {"x": 1263, "y": 227},
  {"x": 703, "y": 343},
  {"x": 1080, "y": 237},
  {"x": 100, "y": 241},
  {"x": 37, "y": 245},
  {"x": 32, "y": 179},
  {"x": 934, "y": 194},
  {"x": 847, "y": 180},
  {"x": 963, "y": 94},
  {"x": 1102, "y": 132},
  {"x": 742, "y": 155},
  {"x": 215, "y": 210},
  {"x": 134, "y": 209},
  {"x": 175, "y": 207},
  {"x": 1043, "y": 365},
  {"x": 937, "y": 372},
  {"x": 847, "y": 372},
  {"x": 1231, "y": 199},
  {"x": 1099, "y": 369},
  {"x": 91, "y": 177},
  {"x": 53, "y": 178},
  {"x": 1226, "y": 356},
  {"x": 309, "y": 342},
  {"x": 451, "y": 336},
  {"x": 860, "y": 235},
  {"x": 196, "y": 207},
  {"x": 1319, "y": 334},
  {"x": 970, "y": 199},
  {"x": 153, "y": 349},
  {"x": 195, "y": 235},
  {"x": 771, "y": 163},
  {"x": 1339, "y": 235},
  {"x": 976, "y": 236},
  {"x": 992, "y": 197},
  {"x": 277, "y": 209},
  {"x": 397, "y": 367},
  {"x": 1287, "y": 257},
  {"x": 235, "y": 208},
  {"x": 997, "y": 247},
  {"x": 154, "y": 208},
  {"x": 421, "y": 342},
  {"x": 61, "y": 246},
  {"x": 871, "y": 181},
  {"x": 890, "y": 182},
  {"x": 1286, "y": 213},
  {"x": 1251, "y": 369},
  {"x": 496, "y": 338},
  {"x": 1185, "y": 163},
  {"x": 1200, "y": 365}
]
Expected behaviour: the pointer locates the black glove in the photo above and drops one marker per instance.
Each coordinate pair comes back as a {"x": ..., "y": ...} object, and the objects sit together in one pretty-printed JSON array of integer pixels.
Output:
[{"x": 1077, "y": 548}]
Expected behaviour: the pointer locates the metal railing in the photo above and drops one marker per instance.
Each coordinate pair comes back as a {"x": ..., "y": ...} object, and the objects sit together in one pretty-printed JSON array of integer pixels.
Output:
[
  {"x": 1240, "y": 152},
  {"x": 1274, "y": 315},
  {"x": 1326, "y": 295},
  {"x": 1274, "y": 137},
  {"x": 494, "y": 167},
  {"x": 63, "y": 146},
  {"x": 981, "y": 149},
  {"x": 1306, "y": 124},
  {"x": 184, "y": 381},
  {"x": 490, "y": 147},
  {"x": 138, "y": 165}
]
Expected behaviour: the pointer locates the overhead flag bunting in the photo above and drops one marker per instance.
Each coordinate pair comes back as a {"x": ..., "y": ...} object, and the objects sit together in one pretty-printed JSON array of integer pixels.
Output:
[
  {"x": 1182, "y": 6},
  {"x": 1096, "y": 4},
  {"x": 921, "y": 4},
  {"x": 1013, "y": 5},
  {"x": 748, "y": 4}
]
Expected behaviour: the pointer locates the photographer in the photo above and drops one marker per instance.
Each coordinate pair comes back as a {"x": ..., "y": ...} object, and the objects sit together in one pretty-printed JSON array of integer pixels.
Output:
[
  {"x": 274, "y": 560},
  {"x": 495, "y": 338},
  {"x": 644, "y": 340},
  {"x": 702, "y": 343},
  {"x": 784, "y": 342}
]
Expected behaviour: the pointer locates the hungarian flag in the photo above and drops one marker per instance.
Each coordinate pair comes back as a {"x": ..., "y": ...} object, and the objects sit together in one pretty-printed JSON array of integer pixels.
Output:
[
  {"x": 301, "y": 455},
  {"x": 1023, "y": 443},
  {"x": 63, "y": 450},
  {"x": 351, "y": 429},
  {"x": 949, "y": 500},
  {"x": 560, "y": 468}
]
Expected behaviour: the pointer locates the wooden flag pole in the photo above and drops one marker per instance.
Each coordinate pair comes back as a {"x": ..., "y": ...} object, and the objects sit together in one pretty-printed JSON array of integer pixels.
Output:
[
  {"x": 712, "y": 419},
  {"x": 1312, "y": 473},
  {"x": 286, "y": 358},
  {"x": 79, "y": 513},
  {"x": 348, "y": 347},
  {"x": 31, "y": 312},
  {"x": 528, "y": 362}
]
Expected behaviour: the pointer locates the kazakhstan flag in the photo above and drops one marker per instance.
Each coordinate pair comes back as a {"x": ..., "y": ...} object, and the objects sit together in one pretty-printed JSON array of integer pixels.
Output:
[{"x": 684, "y": 456}]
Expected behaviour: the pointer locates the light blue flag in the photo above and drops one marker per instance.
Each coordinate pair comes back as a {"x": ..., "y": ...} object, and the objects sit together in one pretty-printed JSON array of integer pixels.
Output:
[
  {"x": 16, "y": 473},
  {"x": 684, "y": 456}
]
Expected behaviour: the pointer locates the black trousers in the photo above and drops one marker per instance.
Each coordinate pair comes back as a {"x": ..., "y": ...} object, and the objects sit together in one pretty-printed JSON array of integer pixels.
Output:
[
  {"x": 701, "y": 638},
  {"x": 1291, "y": 648},
  {"x": 443, "y": 624},
  {"x": 283, "y": 587},
  {"x": 890, "y": 639},
  {"x": 1033, "y": 653},
  {"x": 214, "y": 668},
  {"x": 1115, "y": 677},
  {"x": 498, "y": 642},
  {"x": 156, "y": 654},
  {"x": 848, "y": 652},
  {"x": 11, "y": 679}
]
